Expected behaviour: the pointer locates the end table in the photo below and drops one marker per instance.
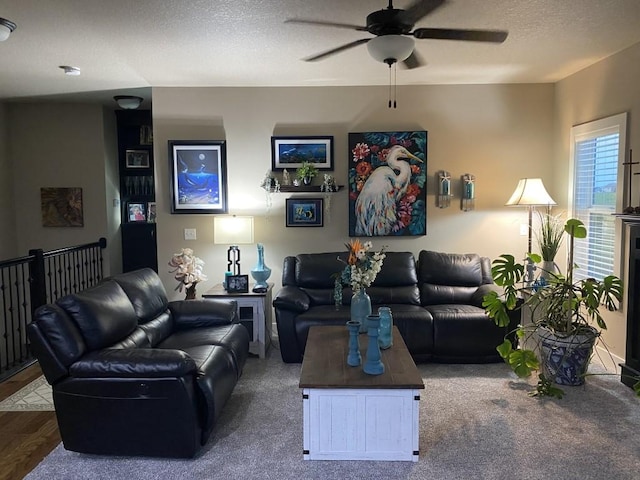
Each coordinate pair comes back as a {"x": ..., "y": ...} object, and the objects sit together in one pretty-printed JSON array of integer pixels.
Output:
[{"x": 254, "y": 311}]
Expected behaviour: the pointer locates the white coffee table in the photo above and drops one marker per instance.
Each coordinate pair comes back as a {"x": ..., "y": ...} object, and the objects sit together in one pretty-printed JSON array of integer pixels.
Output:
[{"x": 349, "y": 415}]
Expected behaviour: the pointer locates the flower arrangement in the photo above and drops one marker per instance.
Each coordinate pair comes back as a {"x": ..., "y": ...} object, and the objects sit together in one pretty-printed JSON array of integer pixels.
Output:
[
  {"x": 187, "y": 268},
  {"x": 362, "y": 268}
]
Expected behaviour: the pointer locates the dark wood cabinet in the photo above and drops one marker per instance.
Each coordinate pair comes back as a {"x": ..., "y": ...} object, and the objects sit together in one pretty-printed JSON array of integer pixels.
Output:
[
  {"x": 137, "y": 189},
  {"x": 631, "y": 366}
]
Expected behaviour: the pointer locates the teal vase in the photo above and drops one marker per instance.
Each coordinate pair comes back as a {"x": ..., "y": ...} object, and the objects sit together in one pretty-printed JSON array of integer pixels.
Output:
[
  {"x": 360, "y": 308},
  {"x": 261, "y": 272},
  {"x": 373, "y": 365}
]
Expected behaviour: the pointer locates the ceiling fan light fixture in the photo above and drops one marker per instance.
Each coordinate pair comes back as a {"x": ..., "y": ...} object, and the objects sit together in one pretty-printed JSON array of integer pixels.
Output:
[
  {"x": 128, "y": 102},
  {"x": 6, "y": 27},
  {"x": 386, "y": 48}
]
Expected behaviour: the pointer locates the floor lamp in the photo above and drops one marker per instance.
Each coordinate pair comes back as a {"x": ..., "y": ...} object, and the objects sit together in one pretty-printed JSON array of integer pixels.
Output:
[
  {"x": 233, "y": 231},
  {"x": 530, "y": 193}
]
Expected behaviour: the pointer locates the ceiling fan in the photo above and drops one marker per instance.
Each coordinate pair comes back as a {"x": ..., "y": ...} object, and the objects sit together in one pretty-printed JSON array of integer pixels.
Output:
[{"x": 394, "y": 33}]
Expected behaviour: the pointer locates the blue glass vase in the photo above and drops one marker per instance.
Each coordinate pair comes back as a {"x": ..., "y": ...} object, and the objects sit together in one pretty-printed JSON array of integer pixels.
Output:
[
  {"x": 360, "y": 308},
  {"x": 373, "y": 364},
  {"x": 385, "y": 337}
]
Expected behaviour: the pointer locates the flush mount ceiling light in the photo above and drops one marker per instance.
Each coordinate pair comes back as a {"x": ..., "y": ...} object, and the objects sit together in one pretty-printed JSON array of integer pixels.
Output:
[
  {"x": 72, "y": 71},
  {"x": 6, "y": 27},
  {"x": 128, "y": 102}
]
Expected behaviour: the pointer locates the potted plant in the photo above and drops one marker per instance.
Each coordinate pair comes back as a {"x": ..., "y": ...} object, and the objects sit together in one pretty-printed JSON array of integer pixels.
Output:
[
  {"x": 306, "y": 172},
  {"x": 565, "y": 318},
  {"x": 549, "y": 239}
]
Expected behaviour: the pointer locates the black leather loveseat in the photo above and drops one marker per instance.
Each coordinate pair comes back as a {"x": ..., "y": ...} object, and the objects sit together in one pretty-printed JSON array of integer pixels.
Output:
[
  {"x": 436, "y": 304},
  {"x": 133, "y": 374}
]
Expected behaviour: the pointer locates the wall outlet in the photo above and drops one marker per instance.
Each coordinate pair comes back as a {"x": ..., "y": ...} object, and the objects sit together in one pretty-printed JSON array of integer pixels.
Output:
[
  {"x": 524, "y": 229},
  {"x": 190, "y": 234}
]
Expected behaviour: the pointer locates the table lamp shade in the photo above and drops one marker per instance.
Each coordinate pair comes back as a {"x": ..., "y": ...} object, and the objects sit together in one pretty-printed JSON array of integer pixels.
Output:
[{"x": 232, "y": 230}]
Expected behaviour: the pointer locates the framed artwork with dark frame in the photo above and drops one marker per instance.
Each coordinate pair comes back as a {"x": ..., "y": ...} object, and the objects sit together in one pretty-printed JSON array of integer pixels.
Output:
[
  {"x": 61, "y": 207},
  {"x": 304, "y": 212},
  {"x": 290, "y": 152},
  {"x": 137, "y": 159},
  {"x": 237, "y": 283},
  {"x": 136, "y": 212},
  {"x": 388, "y": 184},
  {"x": 198, "y": 176}
]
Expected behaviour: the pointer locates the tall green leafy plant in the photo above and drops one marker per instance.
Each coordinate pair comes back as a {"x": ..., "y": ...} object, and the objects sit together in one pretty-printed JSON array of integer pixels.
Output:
[
  {"x": 549, "y": 236},
  {"x": 565, "y": 306}
]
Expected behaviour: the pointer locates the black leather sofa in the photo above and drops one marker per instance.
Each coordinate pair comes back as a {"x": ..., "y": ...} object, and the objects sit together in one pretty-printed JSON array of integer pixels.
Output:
[
  {"x": 436, "y": 304},
  {"x": 133, "y": 374}
]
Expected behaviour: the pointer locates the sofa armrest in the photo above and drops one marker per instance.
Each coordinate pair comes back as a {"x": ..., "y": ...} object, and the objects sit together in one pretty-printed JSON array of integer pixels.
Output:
[
  {"x": 189, "y": 314},
  {"x": 478, "y": 295},
  {"x": 292, "y": 299},
  {"x": 133, "y": 363}
]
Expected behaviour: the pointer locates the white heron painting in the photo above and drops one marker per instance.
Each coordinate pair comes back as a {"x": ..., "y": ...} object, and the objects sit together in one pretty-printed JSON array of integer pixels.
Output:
[{"x": 387, "y": 184}]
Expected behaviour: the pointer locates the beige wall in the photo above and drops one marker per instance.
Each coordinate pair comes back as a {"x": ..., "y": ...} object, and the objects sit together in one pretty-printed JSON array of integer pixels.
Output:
[
  {"x": 499, "y": 133},
  {"x": 606, "y": 88},
  {"x": 8, "y": 247},
  {"x": 60, "y": 145}
]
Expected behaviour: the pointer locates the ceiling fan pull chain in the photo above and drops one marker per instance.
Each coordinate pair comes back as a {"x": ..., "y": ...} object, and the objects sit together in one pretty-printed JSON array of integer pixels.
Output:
[
  {"x": 395, "y": 83},
  {"x": 389, "y": 85}
]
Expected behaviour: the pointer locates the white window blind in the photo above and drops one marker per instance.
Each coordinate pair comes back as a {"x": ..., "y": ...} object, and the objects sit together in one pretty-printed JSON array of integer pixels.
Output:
[{"x": 597, "y": 192}]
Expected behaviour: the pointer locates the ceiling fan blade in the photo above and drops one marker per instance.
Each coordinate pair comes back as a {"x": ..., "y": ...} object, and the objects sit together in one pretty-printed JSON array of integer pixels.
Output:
[
  {"x": 333, "y": 51},
  {"x": 420, "y": 9},
  {"x": 321, "y": 23},
  {"x": 492, "y": 36},
  {"x": 413, "y": 61}
]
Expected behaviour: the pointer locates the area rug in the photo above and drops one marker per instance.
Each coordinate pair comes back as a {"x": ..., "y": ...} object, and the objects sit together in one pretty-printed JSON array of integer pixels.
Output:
[
  {"x": 34, "y": 397},
  {"x": 476, "y": 422}
]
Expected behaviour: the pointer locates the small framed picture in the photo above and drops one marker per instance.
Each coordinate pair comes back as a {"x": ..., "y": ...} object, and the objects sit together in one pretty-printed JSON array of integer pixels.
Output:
[
  {"x": 290, "y": 152},
  {"x": 151, "y": 212},
  {"x": 146, "y": 135},
  {"x": 304, "y": 212},
  {"x": 137, "y": 159},
  {"x": 238, "y": 283},
  {"x": 137, "y": 212}
]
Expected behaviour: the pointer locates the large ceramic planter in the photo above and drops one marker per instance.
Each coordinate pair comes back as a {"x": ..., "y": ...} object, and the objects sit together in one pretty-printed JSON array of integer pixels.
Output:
[{"x": 565, "y": 359}]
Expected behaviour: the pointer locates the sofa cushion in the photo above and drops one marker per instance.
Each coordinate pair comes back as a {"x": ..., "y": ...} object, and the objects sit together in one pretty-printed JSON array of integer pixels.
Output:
[
  {"x": 102, "y": 313},
  {"x": 454, "y": 269},
  {"x": 317, "y": 270},
  {"x": 145, "y": 291}
]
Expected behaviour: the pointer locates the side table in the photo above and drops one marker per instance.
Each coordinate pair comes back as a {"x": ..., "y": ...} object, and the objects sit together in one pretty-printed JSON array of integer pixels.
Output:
[{"x": 254, "y": 311}]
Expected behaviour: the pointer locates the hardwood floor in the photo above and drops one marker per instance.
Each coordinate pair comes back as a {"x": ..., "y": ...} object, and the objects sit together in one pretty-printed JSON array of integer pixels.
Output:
[{"x": 25, "y": 437}]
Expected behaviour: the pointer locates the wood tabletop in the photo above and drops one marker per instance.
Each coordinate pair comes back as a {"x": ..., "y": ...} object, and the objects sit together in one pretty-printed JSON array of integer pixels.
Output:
[{"x": 325, "y": 362}]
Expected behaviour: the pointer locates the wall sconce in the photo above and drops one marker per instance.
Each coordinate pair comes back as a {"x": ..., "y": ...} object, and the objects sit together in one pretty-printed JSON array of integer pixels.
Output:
[
  {"x": 234, "y": 231},
  {"x": 6, "y": 27},
  {"x": 444, "y": 189},
  {"x": 468, "y": 201},
  {"x": 128, "y": 102}
]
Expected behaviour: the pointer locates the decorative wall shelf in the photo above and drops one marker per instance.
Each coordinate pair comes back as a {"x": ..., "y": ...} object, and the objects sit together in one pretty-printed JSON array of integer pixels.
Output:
[{"x": 304, "y": 189}]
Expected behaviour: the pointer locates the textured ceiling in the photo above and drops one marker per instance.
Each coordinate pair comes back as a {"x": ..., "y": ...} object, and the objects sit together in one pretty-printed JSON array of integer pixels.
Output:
[{"x": 121, "y": 45}]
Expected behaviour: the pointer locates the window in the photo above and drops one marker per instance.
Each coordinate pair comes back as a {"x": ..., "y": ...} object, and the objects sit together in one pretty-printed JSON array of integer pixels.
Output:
[{"x": 596, "y": 192}]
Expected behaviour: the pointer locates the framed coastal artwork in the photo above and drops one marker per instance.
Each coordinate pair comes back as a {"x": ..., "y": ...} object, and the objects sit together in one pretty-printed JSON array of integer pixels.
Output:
[
  {"x": 387, "y": 184},
  {"x": 304, "y": 212},
  {"x": 290, "y": 152},
  {"x": 198, "y": 176}
]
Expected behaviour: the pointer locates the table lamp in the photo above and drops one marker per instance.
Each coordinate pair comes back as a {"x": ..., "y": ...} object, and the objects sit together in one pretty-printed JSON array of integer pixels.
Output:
[
  {"x": 233, "y": 230},
  {"x": 530, "y": 193}
]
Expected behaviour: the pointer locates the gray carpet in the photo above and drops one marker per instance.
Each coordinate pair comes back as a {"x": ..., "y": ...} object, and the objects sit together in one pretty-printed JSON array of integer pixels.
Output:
[{"x": 476, "y": 422}]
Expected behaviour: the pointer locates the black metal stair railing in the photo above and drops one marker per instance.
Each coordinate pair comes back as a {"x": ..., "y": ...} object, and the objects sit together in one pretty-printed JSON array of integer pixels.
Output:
[{"x": 34, "y": 280}]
